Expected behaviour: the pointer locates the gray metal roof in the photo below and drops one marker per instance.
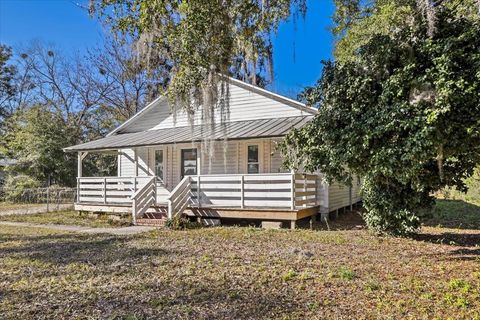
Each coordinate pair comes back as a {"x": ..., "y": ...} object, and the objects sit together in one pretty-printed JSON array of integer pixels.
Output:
[{"x": 230, "y": 130}]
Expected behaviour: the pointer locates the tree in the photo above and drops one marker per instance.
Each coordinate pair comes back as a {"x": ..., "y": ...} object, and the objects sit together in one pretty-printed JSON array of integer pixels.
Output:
[
  {"x": 200, "y": 41},
  {"x": 7, "y": 75},
  {"x": 76, "y": 98},
  {"x": 36, "y": 139},
  {"x": 130, "y": 84},
  {"x": 401, "y": 110}
]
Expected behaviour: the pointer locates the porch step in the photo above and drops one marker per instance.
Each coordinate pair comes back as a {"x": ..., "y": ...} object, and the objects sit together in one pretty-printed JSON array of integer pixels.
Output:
[
  {"x": 153, "y": 219},
  {"x": 151, "y": 222}
]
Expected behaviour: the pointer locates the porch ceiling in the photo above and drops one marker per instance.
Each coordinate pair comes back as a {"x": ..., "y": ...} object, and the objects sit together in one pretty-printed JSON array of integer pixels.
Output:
[{"x": 231, "y": 130}]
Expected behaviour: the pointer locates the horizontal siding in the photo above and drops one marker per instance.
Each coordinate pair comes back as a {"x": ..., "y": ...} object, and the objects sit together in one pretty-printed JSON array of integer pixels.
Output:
[
  {"x": 338, "y": 196},
  {"x": 127, "y": 162},
  {"x": 244, "y": 105}
]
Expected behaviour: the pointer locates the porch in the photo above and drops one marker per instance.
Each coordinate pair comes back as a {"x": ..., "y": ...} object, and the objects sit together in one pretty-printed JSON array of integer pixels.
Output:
[{"x": 263, "y": 196}]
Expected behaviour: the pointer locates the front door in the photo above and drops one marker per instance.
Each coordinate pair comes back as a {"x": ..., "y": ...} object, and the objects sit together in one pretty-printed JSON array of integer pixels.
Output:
[{"x": 189, "y": 162}]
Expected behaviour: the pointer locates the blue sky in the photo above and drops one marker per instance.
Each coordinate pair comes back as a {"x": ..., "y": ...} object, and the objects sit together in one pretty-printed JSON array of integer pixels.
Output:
[{"x": 298, "y": 48}]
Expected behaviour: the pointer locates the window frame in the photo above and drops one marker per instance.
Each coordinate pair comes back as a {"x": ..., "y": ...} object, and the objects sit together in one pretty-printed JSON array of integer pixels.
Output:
[
  {"x": 182, "y": 167},
  {"x": 259, "y": 157}
]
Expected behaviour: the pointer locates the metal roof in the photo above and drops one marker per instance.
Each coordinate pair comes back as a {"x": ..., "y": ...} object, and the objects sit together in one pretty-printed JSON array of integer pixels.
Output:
[{"x": 247, "y": 129}]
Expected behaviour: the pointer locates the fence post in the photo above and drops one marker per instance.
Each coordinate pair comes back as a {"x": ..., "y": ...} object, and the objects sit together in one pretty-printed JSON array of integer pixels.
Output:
[{"x": 48, "y": 198}]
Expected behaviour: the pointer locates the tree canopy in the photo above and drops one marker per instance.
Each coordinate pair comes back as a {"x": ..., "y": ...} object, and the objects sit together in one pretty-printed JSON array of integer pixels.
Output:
[
  {"x": 399, "y": 108},
  {"x": 201, "y": 40}
]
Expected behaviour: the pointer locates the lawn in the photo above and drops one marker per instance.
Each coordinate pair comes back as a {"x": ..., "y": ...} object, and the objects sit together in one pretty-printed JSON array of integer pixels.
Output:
[
  {"x": 69, "y": 217},
  {"x": 10, "y": 205},
  {"x": 239, "y": 273}
]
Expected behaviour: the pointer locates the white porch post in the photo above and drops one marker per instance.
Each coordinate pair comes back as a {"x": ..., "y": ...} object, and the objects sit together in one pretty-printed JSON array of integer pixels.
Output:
[
  {"x": 79, "y": 164},
  {"x": 79, "y": 173},
  {"x": 135, "y": 156}
]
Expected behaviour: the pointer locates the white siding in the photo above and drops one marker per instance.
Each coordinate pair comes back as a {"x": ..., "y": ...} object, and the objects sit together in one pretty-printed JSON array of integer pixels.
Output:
[
  {"x": 339, "y": 194},
  {"x": 244, "y": 105},
  {"x": 127, "y": 162}
]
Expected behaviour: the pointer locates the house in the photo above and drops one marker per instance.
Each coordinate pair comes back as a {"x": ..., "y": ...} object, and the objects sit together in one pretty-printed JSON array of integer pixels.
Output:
[{"x": 167, "y": 165}]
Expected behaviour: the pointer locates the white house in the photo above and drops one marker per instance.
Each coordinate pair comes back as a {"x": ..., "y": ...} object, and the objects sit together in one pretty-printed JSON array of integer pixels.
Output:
[{"x": 163, "y": 169}]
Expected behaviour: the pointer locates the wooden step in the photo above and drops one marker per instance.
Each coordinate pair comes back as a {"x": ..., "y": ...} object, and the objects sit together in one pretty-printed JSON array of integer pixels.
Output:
[
  {"x": 151, "y": 222},
  {"x": 154, "y": 219}
]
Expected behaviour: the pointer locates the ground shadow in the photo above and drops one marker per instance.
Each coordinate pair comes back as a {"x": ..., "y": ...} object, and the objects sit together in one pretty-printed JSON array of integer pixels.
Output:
[
  {"x": 456, "y": 214},
  {"x": 63, "y": 249},
  {"x": 462, "y": 238}
]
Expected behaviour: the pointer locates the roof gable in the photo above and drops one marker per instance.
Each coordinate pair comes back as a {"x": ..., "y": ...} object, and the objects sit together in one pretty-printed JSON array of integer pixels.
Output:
[{"x": 247, "y": 102}]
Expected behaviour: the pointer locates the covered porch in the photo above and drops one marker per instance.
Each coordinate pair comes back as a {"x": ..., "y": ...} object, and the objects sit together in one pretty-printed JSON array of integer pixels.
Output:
[
  {"x": 272, "y": 196},
  {"x": 166, "y": 172}
]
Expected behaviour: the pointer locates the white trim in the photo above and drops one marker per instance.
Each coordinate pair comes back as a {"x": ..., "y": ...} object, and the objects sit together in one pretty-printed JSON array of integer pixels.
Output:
[
  {"x": 259, "y": 144},
  {"x": 149, "y": 106}
]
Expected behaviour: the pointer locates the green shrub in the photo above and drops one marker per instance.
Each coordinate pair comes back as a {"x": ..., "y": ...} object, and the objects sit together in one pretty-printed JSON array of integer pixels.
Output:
[
  {"x": 181, "y": 223},
  {"x": 15, "y": 186}
]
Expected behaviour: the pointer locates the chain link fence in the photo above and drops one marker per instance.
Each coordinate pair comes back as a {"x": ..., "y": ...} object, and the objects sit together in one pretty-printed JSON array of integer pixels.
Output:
[{"x": 37, "y": 199}]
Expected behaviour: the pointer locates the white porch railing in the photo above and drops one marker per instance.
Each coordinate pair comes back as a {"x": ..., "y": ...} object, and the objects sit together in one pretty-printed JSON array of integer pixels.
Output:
[
  {"x": 277, "y": 190},
  {"x": 108, "y": 190},
  {"x": 270, "y": 190},
  {"x": 144, "y": 198},
  {"x": 180, "y": 197}
]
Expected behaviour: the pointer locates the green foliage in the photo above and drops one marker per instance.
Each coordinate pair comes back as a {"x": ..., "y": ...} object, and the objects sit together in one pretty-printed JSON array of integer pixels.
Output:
[
  {"x": 180, "y": 223},
  {"x": 290, "y": 275},
  {"x": 402, "y": 113},
  {"x": 36, "y": 138},
  {"x": 346, "y": 273},
  {"x": 15, "y": 186},
  {"x": 200, "y": 39}
]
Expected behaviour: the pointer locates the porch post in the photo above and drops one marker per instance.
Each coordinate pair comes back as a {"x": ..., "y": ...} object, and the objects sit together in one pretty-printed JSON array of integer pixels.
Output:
[
  {"x": 79, "y": 164},
  {"x": 79, "y": 173},
  {"x": 135, "y": 156}
]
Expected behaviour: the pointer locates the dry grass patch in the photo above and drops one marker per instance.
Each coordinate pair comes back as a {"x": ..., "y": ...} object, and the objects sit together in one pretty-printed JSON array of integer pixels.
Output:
[
  {"x": 69, "y": 217},
  {"x": 239, "y": 273}
]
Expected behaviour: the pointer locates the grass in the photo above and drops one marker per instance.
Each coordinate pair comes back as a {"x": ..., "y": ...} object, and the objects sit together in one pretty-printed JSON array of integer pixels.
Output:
[
  {"x": 67, "y": 218},
  {"x": 239, "y": 273},
  {"x": 455, "y": 214},
  {"x": 11, "y": 206}
]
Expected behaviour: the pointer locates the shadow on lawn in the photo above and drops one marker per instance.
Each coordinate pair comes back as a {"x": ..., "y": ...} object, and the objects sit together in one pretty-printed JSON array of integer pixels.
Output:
[
  {"x": 64, "y": 249},
  {"x": 456, "y": 214},
  {"x": 461, "y": 239}
]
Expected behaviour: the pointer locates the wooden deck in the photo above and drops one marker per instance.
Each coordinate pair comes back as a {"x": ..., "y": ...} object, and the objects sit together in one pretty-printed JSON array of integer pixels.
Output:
[{"x": 212, "y": 212}]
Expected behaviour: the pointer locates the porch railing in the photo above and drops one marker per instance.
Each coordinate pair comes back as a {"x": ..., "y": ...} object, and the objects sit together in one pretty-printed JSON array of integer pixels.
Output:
[
  {"x": 275, "y": 190},
  {"x": 180, "y": 197},
  {"x": 108, "y": 190},
  {"x": 270, "y": 190},
  {"x": 144, "y": 198}
]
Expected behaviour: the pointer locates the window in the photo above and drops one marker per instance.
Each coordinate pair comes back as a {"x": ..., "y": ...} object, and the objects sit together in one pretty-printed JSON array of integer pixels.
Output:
[
  {"x": 253, "y": 165},
  {"x": 159, "y": 164},
  {"x": 189, "y": 162}
]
